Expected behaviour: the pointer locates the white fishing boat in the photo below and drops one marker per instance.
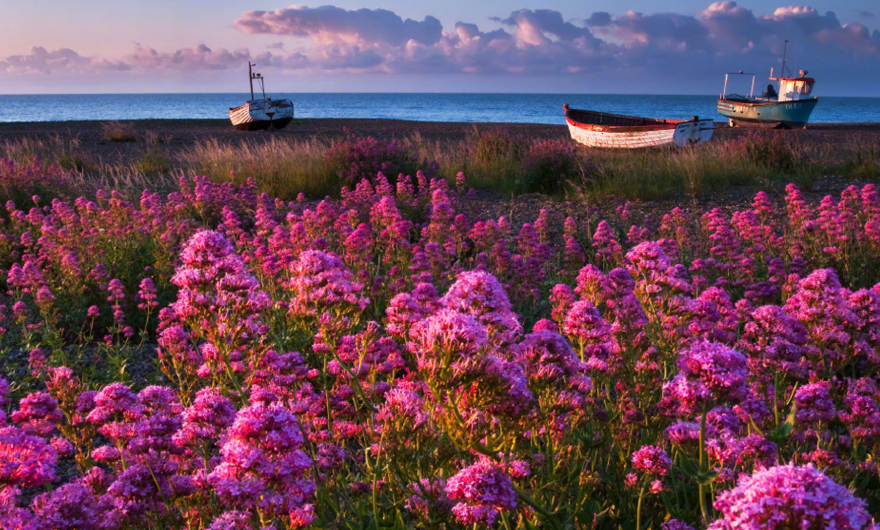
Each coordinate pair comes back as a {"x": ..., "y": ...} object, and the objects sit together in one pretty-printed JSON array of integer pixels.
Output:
[
  {"x": 265, "y": 113},
  {"x": 600, "y": 129}
]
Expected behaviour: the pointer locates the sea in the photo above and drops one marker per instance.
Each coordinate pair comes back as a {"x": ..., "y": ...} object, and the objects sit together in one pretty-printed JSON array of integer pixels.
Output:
[{"x": 498, "y": 108}]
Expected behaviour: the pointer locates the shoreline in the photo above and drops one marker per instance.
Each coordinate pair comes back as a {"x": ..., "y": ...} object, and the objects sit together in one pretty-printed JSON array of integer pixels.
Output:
[{"x": 225, "y": 121}]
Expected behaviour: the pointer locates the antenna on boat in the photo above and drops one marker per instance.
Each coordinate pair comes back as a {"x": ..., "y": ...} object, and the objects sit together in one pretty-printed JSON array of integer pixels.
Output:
[
  {"x": 784, "y": 51},
  {"x": 251, "y": 77}
]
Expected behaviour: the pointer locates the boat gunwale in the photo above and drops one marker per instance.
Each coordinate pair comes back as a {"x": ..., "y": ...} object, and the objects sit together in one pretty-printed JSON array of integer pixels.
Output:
[
  {"x": 657, "y": 125},
  {"x": 738, "y": 101}
]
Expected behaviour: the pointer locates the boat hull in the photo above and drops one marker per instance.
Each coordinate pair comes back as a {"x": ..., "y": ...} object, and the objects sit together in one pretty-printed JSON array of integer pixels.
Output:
[
  {"x": 263, "y": 125},
  {"x": 262, "y": 114},
  {"x": 767, "y": 114},
  {"x": 681, "y": 134}
]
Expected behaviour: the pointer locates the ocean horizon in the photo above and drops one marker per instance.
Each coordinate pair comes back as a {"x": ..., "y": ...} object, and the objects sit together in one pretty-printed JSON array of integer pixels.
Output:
[{"x": 440, "y": 107}]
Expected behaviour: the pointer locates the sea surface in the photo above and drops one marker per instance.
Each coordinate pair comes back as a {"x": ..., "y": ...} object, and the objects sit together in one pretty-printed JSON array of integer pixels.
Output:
[{"x": 523, "y": 108}]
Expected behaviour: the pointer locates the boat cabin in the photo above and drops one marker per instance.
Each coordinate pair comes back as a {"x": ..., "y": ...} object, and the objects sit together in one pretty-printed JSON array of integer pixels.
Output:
[
  {"x": 790, "y": 88},
  {"x": 794, "y": 88}
]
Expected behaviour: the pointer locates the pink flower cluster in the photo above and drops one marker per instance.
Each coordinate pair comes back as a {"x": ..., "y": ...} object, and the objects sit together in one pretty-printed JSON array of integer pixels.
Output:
[
  {"x": 484, "y": 491},
  {"x": 789, "y": 497},
  {"x": 385, "y": 360}
]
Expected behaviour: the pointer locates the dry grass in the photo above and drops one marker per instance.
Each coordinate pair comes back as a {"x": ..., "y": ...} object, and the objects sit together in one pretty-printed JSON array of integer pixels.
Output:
[
  {"x": 154, "y": 170},
  {"x": 119, "y": 131},
  {"x": 660, "y": 173},
  {"x": 283, "y": 168}
]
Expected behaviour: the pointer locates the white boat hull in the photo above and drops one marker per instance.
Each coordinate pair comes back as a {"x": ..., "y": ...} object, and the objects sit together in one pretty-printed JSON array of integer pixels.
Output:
[
  {"x": 262, "y": 114},
  {"x": 684, "y": 133}
]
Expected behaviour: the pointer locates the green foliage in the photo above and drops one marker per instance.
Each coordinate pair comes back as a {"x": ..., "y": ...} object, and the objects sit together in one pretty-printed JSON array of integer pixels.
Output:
[{"x": 153, "y": 162}]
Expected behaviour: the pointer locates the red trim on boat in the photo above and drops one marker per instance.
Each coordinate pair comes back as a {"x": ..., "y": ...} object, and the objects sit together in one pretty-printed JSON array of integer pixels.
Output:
[{"x": 624, "y": 128}]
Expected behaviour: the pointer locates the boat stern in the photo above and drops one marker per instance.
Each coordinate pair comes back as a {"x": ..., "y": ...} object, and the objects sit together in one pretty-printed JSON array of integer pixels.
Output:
[{"x": 693, "y": 132}]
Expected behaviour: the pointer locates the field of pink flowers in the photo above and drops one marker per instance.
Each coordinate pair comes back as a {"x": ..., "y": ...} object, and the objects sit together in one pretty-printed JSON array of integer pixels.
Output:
[{"x": 218, "y": 359}]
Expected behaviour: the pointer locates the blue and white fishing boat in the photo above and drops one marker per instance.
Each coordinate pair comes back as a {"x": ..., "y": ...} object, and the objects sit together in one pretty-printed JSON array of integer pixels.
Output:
[{"x": 788, "y": 107}]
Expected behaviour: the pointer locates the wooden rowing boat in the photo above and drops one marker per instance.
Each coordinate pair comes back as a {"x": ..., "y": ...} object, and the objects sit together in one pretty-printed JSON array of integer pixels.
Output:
[
  {"x": 265, "y": 113},
  {"x": 600, "y": 129}
]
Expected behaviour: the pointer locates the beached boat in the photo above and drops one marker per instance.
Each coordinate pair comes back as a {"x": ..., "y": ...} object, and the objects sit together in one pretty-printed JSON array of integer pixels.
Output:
[
  {"x": 600, "y": 129},
  {"x": 788, "y": 107},
  {"x": 265, "y": 113}
]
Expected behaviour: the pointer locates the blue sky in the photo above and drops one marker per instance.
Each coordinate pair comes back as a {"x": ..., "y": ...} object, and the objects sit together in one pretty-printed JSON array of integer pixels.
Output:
[{"x": 555, "y": 45}]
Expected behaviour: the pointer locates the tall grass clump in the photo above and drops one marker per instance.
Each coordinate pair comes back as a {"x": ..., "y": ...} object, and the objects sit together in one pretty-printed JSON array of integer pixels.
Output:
[
  {"x": 119, "y": 131},
  {"x": 153, "y": 162},
  {"x": 659, "y": 173},
  {"x": 513, "y": 164},
  {"x": 64, "y": 151},
  {"x": 283, "y": 168},
  {"x": 861, "y": 159},
  {"x": 549, "y": 166},
  {"x": 494, "y": 159}
]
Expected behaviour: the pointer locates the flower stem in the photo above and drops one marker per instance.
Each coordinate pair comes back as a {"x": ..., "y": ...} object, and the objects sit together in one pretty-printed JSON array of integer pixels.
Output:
[
  {"x": 639, "y": 507},
  {"x": 702, "y": 493}
]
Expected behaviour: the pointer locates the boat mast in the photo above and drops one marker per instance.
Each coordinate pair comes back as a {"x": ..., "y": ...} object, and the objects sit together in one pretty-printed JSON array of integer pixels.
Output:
[
  {"x": 784, "y": 51},
  {"x": 251, "y": 77}
]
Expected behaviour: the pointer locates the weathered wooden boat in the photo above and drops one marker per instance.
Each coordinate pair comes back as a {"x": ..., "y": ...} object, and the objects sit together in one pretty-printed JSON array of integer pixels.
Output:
[
  {"x": 600, "y": 129},
  {"x": 788, "y": 107},
  {"x": 265, "y": 113}
]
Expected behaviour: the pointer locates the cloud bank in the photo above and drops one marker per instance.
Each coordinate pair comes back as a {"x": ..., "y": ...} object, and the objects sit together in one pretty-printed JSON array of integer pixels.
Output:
[{"x": 650, "y": 47}]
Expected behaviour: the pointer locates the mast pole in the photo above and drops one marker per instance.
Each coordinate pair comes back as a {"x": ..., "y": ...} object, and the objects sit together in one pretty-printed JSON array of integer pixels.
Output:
[
  {"x": 251, "y": 78},
  {"x": 784, "y": 52}
]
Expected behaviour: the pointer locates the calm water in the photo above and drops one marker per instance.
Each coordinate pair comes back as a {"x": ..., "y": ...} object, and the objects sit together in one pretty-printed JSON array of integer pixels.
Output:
[{"x": 530, "y": 108}]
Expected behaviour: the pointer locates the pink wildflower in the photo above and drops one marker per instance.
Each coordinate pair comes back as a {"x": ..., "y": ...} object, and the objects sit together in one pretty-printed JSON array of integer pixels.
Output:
[
  {"x": 788, "y": 496},
  {"x": 651, "y": 461},
  {"x": 709, "y": 373},
  {"x": 483, "y": 490}
]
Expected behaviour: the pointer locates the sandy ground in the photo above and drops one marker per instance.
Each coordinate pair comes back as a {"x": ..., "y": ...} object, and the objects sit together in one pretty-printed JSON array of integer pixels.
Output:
[{"x": 179, "y": 134}]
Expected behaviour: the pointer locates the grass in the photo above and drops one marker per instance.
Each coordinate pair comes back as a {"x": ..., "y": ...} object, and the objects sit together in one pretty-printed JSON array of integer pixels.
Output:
[
  {"x": 153, "y": 170},
  {"x": 283, "y": 168},
  {"x": 119, "y": 131},
  {"x": 491, "y": 160},
  {"x": 513, "y": 165},
  {"x": 666, "y": 172},
  {"x": 65, "y": 151},
  {"x": 153, "y": 162}
]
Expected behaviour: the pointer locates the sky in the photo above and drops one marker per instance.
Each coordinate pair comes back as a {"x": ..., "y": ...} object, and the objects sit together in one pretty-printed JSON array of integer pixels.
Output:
[{"x": 548, "y": 46}]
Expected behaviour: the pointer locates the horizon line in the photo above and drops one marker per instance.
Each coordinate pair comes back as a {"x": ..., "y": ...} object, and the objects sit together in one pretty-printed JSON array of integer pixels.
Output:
[{"x": 19, "y": 94}]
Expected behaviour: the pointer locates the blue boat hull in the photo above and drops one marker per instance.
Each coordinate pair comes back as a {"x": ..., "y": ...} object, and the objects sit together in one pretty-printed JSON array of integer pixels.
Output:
[{"x": 767, "y": 114}]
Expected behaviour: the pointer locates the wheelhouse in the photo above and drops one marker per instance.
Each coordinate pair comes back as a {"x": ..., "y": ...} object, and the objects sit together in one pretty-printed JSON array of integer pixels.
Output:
[{"x": 794, "y": 88}]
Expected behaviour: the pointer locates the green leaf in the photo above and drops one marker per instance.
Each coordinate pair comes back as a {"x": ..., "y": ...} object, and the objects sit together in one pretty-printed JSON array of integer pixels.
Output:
[
  {"x": 687, "y": 465},
  {"x": 706, "y": 477},
  {"x": 782, "y": 431}
]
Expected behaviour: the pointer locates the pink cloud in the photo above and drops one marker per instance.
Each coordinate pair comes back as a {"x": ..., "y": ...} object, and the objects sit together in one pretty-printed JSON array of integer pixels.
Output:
[
  {"x": 329, "y": 24},
  {"x": 40, "y": 60},
  {"x": 543, "y": 41},
  {"x": 331, "y": 39},
  {"x": 199, "y": 57}
]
